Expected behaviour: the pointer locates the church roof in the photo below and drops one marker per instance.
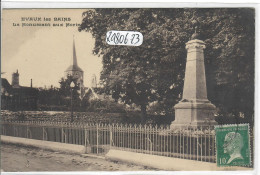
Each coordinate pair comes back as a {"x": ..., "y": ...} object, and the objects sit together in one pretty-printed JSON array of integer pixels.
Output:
[
  {"x": 74, "y": 68},
  {"x": 74, "y": 65},
  {"x": 96, "y": 96}
]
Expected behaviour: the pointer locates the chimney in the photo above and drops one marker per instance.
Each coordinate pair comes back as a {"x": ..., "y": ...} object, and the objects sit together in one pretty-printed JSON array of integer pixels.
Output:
[{"x": 15, "y": 79}]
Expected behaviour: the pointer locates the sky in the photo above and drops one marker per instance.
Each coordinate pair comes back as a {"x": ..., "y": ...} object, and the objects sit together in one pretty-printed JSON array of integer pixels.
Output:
[{"x": 43, "y": 53}]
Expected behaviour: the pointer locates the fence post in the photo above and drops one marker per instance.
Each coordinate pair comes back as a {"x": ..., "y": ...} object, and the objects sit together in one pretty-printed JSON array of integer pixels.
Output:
[
  {"x": 27, "y": 130},
  {"x": 97, "y": 138},
  {"x": 2, "y": 130},
  {"x": 14, "y": 130},
  {"x": 201, "y": 145},
  {"x": 197, "y": 144},
  {"x": 209, "y": 136},
  {"x": 65, "y": 137},
  {"x": 213, "y": 146},
  {"x": 43, "y": 133},
  {"x": 85, "y": 137},
  {"x": 110, "y": 136},
  {"x": 62, "y": 135}
]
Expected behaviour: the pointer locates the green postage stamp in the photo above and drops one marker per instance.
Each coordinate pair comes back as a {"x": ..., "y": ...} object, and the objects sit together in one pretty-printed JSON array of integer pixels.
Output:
[{"x": 233, "y": 145}]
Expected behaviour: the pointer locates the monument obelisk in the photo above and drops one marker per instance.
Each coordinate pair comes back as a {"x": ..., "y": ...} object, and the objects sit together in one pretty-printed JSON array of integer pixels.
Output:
[{"x": 194, "y": 109}]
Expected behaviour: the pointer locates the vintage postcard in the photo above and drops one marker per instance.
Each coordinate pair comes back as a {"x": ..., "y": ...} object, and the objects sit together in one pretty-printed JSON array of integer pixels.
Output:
[{"x": 127, "y": 89}]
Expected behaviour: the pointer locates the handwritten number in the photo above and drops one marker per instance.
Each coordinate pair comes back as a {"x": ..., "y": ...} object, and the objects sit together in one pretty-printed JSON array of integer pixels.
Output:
[
  {"x": 137, "y": 38},
  {"x": 123, "y": 38},
  {"x": 126, "y": 40},
  {"x": 109, "y": 36},
  {"x": 133, "y": 36}
]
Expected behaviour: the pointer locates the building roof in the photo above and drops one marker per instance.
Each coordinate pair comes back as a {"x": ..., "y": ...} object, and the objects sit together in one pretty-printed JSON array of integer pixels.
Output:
[
  {"x": 74, "y": 65},
  {"x": 25, "y": 90},
  {"x": 5, "y": 83},
  {"x": 20, "y": 90},
  {"x": 74, "y": 68},
  {"x": 96, "y": 96}
]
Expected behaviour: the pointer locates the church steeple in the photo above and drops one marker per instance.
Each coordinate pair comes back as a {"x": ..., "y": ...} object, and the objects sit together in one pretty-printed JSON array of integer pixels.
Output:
[
  {"x": 74, "y": 63},
  {"x": 74, "y": 56}
]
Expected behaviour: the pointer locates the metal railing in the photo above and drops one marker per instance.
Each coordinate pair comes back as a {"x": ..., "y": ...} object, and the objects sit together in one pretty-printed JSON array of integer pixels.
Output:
[{"x": 195, "y": 143}]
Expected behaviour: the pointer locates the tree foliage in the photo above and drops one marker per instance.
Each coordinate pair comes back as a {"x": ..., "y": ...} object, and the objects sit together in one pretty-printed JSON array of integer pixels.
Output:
[
  {"x": 49, "y": 96},
  {"x": 65, "y": 89},
  {"x": 154, "y": 71},
  {"x": 59, "y": 98}
]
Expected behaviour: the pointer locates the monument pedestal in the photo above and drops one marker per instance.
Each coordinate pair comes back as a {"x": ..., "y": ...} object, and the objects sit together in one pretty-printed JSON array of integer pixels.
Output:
[{"x": 194, "y": 113}]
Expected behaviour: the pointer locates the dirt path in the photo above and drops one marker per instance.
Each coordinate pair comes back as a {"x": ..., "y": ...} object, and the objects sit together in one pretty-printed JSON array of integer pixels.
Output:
[{"x": 18, "y": 158}]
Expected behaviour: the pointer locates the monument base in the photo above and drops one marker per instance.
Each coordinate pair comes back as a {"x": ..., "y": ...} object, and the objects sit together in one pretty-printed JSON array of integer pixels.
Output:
[{"x": 194, "y": 113}]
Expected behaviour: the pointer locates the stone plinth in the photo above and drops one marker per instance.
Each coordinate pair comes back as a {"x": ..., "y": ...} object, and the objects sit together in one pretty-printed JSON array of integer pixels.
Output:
[
  {"x": 195, "y": 113},
  {"x": 194, "y": 108}
]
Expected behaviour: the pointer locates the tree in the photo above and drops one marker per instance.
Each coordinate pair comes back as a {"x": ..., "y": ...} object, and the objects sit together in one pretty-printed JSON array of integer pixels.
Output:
[
  {"x": 49, "y": 97},
  {"x": 65, "y": 92},
  {"x": 154, "y": 71},
  {"x": 65, "y": 89}
]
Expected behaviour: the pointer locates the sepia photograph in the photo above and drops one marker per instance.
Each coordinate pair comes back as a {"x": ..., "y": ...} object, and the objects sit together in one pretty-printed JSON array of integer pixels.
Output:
[{"x": 127, "y": 89}]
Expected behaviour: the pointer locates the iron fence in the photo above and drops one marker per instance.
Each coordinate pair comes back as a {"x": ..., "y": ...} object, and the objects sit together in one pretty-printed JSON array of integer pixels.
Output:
[{"x": 195, "y": 143}]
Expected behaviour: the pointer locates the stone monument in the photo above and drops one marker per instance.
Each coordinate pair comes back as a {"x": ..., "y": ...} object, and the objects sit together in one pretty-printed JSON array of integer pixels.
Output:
[{"x": 194, "y": 109}]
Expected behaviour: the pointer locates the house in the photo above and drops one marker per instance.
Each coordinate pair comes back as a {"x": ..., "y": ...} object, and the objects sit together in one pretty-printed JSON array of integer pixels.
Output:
[{"x": 16, "y": 97}]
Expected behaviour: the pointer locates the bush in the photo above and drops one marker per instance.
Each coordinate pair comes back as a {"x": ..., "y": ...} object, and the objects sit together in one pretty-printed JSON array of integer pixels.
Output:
[
  {"x": 21, "y": 116},
  {"x": 105, "y": 106}
]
